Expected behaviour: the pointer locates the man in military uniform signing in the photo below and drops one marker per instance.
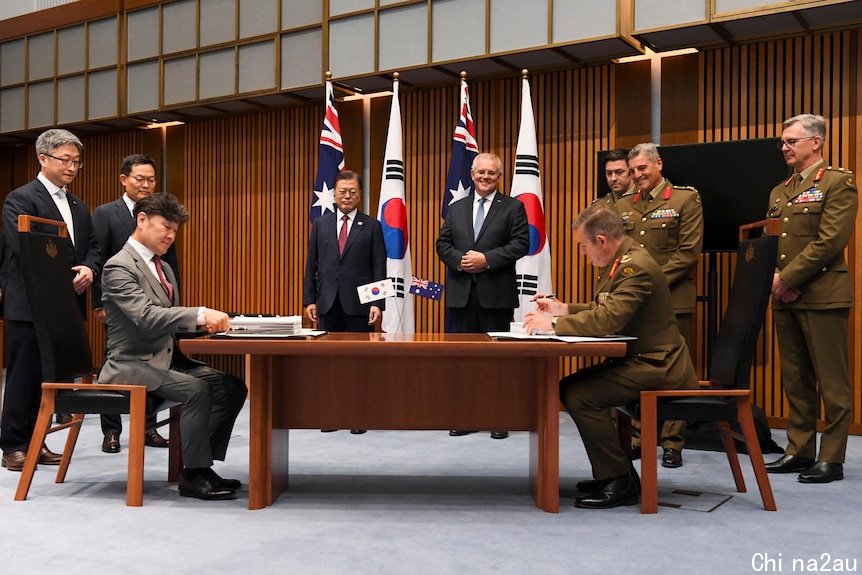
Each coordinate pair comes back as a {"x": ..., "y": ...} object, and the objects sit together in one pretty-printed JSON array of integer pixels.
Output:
[
  {"x": 811, "y": 298},
  {"x": 632, "y": 298},
  {"x": 667, "y": 220},
  {"x": 618, "y": 177}
]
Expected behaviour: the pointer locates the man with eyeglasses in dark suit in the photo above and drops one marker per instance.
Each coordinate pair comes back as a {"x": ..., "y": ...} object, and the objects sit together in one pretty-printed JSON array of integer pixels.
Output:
[{"x": 47, "y": 196}]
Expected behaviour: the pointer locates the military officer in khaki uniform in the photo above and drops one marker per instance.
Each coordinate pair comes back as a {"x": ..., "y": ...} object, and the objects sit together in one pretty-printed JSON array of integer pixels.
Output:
[
  {"x": 632, "y": 298},
  {"x": 618, "y": 177},
  {"x": 667, "y": 220},
  {"x": 811, "y": 298}
]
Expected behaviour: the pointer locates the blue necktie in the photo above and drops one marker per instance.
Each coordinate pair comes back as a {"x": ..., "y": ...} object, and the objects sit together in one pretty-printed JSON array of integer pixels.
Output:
[{"x": 480, "y": 218}]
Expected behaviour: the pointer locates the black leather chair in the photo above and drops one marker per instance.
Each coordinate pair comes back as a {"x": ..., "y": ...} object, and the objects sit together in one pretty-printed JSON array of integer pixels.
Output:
[
  {"x": 46, "y": 262},
  {"x": 725, "y": 398}
]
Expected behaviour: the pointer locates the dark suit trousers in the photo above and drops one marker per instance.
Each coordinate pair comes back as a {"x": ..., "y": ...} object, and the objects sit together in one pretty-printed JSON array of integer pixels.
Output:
[
  {"x": 588, "y": 396},
  {"x": 211, "y": 402},
  {"x": 23, "y": 386},
  {"x": 473, "y": 318},
  {"x": 336, "y": 319}
]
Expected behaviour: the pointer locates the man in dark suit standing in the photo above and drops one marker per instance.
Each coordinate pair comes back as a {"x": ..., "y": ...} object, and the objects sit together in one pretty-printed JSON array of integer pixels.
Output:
[
  {"x": 59, "y": 154},
  {"x": 345, "y": 250},
  {"x": 482, "y": 237},
  {"x": 143, "y": 316},
  {"x": 113, "y": 224}
]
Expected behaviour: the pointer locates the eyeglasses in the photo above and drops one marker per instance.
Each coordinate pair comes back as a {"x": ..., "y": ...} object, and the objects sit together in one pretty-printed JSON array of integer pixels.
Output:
[
  {"x": 791, "y": 142},
  {"x": 67, "y": 162},
  {"x": 142, "y": 179}
]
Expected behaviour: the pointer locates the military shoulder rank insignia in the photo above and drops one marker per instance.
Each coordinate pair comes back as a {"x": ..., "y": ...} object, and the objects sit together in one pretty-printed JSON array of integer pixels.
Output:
[
  {"x": 625, "y": 259},
  {"x": 628, "y": 271}
]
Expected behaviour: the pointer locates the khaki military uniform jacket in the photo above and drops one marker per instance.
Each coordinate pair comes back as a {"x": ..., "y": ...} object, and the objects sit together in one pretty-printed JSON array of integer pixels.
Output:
[
  {"x": 610, "y": 199},
  {"x": 817, "y": 216},
  {"x": 633, "y": 299},
  {"x": 668, "y": 222}
]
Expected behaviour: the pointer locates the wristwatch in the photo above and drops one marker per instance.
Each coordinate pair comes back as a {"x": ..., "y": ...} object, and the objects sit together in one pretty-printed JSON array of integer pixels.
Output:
[{"x": 554, "y": 321}]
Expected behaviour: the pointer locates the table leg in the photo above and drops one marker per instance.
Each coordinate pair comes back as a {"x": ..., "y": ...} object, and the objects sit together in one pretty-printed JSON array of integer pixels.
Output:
[
  {"x": 268, "y": 447},
  {"x": 545, "y": 440}
]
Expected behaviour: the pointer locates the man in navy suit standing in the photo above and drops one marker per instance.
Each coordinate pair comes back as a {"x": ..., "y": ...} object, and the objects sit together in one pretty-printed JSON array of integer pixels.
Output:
[
  {"x": 484, "y": 234},
  {"x": 345, "y": 250},
  {"x": 59, "y": 154},
  {"x": 113, "y": 223}
]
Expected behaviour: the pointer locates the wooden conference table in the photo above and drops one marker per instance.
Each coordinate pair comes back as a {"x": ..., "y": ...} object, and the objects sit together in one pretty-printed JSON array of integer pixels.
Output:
[{"x": 404, "y": 382}]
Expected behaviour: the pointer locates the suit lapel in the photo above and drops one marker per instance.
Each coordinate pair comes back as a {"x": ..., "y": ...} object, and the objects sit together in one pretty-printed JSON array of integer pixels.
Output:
[
  {"x": 48, "y": 205},
  {"x": 123, "y": 215}
]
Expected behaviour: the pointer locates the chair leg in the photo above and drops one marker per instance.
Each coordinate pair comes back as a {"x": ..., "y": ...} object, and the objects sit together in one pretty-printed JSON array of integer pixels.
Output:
[
  {"x": 175, "y": 448},
  {"x": 69, "y": 449},
  {"x": 137, "y": 422},
  {"x": 43, "y": 420},
  {"x": 746, "y": 423},
  {"x": 732, "y": 456},
  {"x": 649, "y": 465}
]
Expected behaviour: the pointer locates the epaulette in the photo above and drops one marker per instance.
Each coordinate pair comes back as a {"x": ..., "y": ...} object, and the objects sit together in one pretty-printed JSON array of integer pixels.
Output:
[
  {"x": 690, "y": 188},
  {"x": 837, "y": 169},
  {"x": 627, "y": 193}
]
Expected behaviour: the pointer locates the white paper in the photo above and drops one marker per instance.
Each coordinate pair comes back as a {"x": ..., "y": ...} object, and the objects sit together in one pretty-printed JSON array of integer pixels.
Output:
[{"x": 553, "y": 337}]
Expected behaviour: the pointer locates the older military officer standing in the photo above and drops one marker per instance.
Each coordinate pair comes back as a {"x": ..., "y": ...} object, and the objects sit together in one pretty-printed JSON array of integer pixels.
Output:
[
  {"x": 811, "y": 298},
  {"x": 667, "y": 220}
]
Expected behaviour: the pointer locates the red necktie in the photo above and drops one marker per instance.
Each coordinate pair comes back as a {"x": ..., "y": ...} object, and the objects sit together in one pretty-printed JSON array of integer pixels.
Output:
[
  {"x": 342, "y": 234},
  {"x": 169, "y": 289}
]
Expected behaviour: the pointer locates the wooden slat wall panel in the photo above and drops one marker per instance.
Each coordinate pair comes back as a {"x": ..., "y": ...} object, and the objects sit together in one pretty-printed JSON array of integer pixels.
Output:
[{"x": 748, "y": 91}]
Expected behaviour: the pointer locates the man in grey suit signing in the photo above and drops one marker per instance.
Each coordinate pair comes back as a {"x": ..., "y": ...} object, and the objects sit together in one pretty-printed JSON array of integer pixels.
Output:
[
  {"x": 484, "y": 234},
  {"x": 143, "y": 315}
]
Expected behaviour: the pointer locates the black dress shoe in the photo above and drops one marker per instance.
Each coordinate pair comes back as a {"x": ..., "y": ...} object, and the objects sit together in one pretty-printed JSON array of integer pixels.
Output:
[
  {"x": 48, "y": 457},
  {"x": 357, "y": 431},
  {"x": 202, "y": 487},
  {"x": 822, "y": 472},
  {"x": 499, "y": 434},
  {"x": 635, "y": 452},
  {"x": 14, "y": 460},
  {"x": 789, "y": 464},
  {"x": 327, "y": 430},
  {"x": 63, "y": 418},
  {"x": 589, "y": 485},
  {"x": 221, "y": 482},
  {"x": 616, "y": 491},
  {"x": 111, "y": 442},
  {"x": 671, "y": 457},
  {"x": 459, "y": 432},
  {"x": 155, "y": 440}
]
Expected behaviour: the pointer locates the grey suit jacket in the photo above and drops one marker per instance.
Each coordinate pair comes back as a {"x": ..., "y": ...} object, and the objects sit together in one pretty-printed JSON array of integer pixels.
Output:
[{"x": 141, "y": 321}]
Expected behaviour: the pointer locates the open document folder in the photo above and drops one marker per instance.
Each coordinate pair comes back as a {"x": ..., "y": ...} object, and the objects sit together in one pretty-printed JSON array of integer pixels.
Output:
[
  {"x": 522, "y": 335},
  {"x": 252, "y": 326}
]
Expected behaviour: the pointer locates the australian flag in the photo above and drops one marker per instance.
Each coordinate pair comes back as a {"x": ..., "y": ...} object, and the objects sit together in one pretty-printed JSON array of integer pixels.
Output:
[
  {"x": 426, "y": 288},
  {"x": 330, "y": 160},
  {"x": 464, "y": 149}
]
